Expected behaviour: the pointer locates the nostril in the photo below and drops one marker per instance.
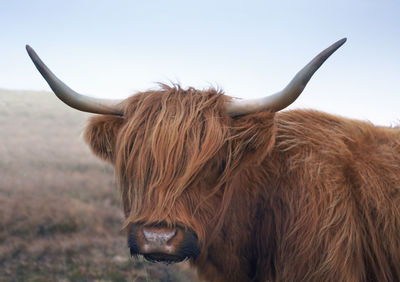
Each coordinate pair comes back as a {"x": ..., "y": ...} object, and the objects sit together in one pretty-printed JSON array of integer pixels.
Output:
[{"x": 159, "y": 237}]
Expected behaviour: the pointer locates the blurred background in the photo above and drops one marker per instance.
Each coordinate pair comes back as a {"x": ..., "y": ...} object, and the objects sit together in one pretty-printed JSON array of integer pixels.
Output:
[{"x": 60, "y": 212}]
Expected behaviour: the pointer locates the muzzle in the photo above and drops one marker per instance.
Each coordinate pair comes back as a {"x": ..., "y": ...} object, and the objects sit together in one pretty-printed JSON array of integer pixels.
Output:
[{"x": 161, "y": 243}]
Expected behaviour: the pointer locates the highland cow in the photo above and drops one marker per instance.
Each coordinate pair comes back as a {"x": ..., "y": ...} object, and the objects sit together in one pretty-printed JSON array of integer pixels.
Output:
[{"x": 248, "y": 193}]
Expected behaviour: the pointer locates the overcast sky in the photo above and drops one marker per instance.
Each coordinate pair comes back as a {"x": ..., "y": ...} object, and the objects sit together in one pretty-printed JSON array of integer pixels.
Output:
[{"x": 248, "y": 48}]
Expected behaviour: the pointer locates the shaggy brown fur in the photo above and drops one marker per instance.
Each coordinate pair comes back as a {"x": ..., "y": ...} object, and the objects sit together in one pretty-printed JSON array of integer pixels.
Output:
[{"x": 292, "y": 196}]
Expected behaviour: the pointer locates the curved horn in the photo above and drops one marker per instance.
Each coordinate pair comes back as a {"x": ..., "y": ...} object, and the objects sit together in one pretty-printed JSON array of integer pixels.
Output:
[
  {"x": 72, "y": 98},
  {"x": 289, "y": 94}
]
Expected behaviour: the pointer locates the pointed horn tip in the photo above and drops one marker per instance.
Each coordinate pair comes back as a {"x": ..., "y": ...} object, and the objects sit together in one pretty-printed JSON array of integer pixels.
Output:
[
  {"x": 31, "y": 52},
  {"x": 28, "y": 48},
  {"x": 341, "y": 41}
]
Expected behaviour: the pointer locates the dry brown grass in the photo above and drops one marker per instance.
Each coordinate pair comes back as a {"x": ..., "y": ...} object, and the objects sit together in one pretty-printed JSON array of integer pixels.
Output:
[{"x": 60, "y": 212}]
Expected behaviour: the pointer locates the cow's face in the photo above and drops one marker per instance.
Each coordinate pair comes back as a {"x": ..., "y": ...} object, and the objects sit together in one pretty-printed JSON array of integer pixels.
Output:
[{"x": 175, "y": 153}]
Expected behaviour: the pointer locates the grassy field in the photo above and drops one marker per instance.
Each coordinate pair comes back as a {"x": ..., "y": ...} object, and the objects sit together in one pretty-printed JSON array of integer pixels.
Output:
[{"x": 60, "y": 214}]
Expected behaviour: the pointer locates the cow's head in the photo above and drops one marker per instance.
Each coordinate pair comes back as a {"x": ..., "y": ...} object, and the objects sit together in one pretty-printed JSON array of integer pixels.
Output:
[{"x": 176, "y": 151}]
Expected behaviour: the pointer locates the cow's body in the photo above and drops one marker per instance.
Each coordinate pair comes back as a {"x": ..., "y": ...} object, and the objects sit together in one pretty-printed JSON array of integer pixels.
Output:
[{"x": 322, "y": 206}]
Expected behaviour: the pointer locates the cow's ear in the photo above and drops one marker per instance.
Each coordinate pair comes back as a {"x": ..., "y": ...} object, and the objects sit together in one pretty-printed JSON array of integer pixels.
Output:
[
  {"x": 101, "y": 133},
  {"x": 253, "y": 136}
]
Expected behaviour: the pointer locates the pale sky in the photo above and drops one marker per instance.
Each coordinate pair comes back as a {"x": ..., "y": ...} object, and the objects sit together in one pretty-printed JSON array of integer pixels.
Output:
[{"x": 248, "y": 48}]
